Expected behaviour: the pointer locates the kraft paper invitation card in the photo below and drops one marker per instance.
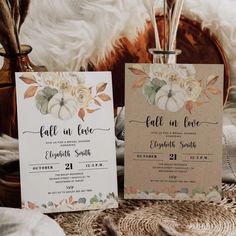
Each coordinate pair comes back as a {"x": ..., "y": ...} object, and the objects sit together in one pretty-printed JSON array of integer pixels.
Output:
[
  {"x": 66, "y": 141},
  {"x": 173, "y": 131}
]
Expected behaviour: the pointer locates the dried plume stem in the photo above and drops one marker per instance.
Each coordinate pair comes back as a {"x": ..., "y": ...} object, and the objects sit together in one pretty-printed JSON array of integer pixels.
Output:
[
  {"x": 23, "y": 9},
  {"x": 12, "y": 15},
  {"x": 7, "y": 32}
]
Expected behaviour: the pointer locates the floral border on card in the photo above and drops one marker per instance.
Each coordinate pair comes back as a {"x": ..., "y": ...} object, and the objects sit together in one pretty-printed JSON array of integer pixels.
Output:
[
  {"x": 71, "y": 204},
  {"x": 214, "y": 194}
]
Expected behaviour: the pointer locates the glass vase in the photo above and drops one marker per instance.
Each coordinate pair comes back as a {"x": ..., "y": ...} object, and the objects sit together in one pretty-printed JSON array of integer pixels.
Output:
[
  {"x": 164, "y": 57},
  {"x": 19, "y": 62}
]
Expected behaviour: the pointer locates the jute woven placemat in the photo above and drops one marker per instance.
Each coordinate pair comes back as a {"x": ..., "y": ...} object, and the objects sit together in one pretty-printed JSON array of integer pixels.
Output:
[{"x": 154, "y": 218}]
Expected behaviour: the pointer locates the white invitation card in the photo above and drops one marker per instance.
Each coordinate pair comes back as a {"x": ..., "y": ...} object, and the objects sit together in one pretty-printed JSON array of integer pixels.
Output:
[{"x": 66, "y": 141}]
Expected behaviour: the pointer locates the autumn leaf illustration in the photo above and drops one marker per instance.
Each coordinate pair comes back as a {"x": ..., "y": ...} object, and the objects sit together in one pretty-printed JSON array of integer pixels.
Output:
[
  {"x": 28, "y": 78},
  {"x": 139, "y": 82},
  {"x": 142, "y": 77},
  {"x": 189, "y": 106},
  {"x": 30, "y": 92},
  {"x": 81, "y": 114},
  {"x": 138, "y": 72},
  {"x": 70, "y": 199},
  {"x": 31, "y": 205},
  {"x": 104, "y": 97},
  {"x": 61, "y": 201},
  {"x": 92, "y": 110},
  {"x": 212, "y": 79},
  {"x": 214, "y": 90},
  {"x": 101, "y": 87},
  {"x": 200, "y": 103},
  {"x": 97, "y": 102}
]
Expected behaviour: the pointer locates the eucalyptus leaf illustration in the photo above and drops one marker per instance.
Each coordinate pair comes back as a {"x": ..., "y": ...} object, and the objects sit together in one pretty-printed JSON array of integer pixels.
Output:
[
  {"x": 151, "y": 88},
  {"x": 94, "y": 199},
  {"x": 50, "y": 204},
  {"x": 82, "y": 200},
  {"x": 43, "y": 97},
  {"x": 111, "y": 195},
  {"x": 184, "y": 190},
  {"x": 196, "y": 190},
  {"x": 44, "y": 205}
]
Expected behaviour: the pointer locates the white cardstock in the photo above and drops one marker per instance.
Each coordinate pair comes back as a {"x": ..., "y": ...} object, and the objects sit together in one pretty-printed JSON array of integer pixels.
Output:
[{"x": 66, "y": 141}]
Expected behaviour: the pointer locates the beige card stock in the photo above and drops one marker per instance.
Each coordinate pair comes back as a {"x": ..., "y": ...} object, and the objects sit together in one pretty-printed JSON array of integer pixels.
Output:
[{"x": 173, "y": 131}]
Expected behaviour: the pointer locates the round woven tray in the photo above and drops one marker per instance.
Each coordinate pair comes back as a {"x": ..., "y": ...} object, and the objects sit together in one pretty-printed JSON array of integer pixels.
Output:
[{"x": 147, "y": 218}]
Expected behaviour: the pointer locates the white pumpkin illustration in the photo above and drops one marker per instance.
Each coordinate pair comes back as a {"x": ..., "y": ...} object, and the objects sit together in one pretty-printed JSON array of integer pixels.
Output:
[
  {"x": 170, "y": 98},
  {"x": 62, "y": 106}
]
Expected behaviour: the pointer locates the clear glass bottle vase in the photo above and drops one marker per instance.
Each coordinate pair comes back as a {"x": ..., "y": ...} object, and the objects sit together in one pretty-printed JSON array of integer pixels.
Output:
[
  {"x": 11, "y": 64},
  {"x": 164, "y": 57}
]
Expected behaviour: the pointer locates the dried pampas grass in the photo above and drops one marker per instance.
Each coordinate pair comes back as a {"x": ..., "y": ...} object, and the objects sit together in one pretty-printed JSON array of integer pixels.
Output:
[
  {"x": 23, "y": 9},
  {"x": 170, "y": 3},
  {"x": 171, "y": 12},
  {"x": 12, "y": 15},
  {"x": 7, "y": 32}
]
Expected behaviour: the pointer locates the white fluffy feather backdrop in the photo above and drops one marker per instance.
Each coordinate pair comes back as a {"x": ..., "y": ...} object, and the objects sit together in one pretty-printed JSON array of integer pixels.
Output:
[{"x": 67, "y": 34}]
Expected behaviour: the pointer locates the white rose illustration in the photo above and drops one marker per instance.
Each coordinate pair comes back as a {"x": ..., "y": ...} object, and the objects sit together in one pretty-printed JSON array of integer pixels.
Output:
[
  {"x": 199, "y": 197},
  {"x": 110, "y": 203},
  {"x": 83, "y": 96},
  {"x": 96, "y": 205},
  {"x": 142, "y": 195},
  {"x": 152, "y": 196},
  {"x": 184, "y": 71},
  {"x": 170, "y": 98},
  {"x": 64, "y": 85},
  {"x": 49, "y": 79},
  {"x": 181, "y": 196},
  {"x": 164, "y": 196},
  {"x": 159, "y": 72},
  {"x": 75, "y": 78},
  {"x": 192, "y": 89},
  {"x": 214, "y": 196}
]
